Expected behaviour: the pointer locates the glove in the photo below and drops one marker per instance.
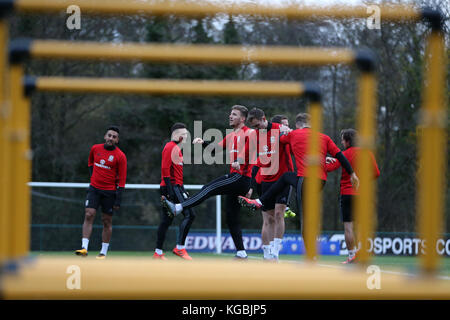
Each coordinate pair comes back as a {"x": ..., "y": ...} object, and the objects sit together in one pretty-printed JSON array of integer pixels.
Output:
[{"x": 118, "y": 200}]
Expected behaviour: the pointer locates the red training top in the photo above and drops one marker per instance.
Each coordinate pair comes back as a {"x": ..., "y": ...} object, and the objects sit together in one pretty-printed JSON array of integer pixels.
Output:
[
  {"x": 241, "y": 145},
  {"x": 299, "y": 139},
  {"x": 274, "y": 158},
  {"x": 109, "y": 167},
  {"x": 351, "y": 154},
  {"x": 172, "y": 164}
]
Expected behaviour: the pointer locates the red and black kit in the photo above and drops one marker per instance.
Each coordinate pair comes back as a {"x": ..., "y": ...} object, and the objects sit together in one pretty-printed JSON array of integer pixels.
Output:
[
  {"x": 172, "y": 188},
  {"x": 108, "y": 168}
]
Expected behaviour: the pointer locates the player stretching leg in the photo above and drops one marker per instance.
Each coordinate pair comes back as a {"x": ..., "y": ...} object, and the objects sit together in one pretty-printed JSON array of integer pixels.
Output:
[
  {"x": 282, "y": 119},
  {"x": 234, "y": 184},
  {"x": 273, "y": 159},
  {"x": 298, "y": 140},
  {"x": 108, "y": 169}
]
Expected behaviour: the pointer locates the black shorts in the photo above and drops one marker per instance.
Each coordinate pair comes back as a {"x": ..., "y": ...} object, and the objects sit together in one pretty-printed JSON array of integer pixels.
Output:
[
  {"x": 346, "y": 207},
  {"x": 281, "y": 198},
  {"x": 105, "y": 198}
]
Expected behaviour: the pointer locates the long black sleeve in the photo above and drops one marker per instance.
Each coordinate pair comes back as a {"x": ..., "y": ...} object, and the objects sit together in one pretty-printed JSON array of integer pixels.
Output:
[
  {"x": 91, "y": 170},
  {"x": 344, "y": 162},
  {"x": 169, "y": 188},
  {"x": 254, "y": 173}
]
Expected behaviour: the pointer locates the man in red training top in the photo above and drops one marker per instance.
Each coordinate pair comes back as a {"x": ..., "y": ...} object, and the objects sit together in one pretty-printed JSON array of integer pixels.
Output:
[
  {"x": 274, "y": 159},
  {"x": 172, "y": 188},
  {"x": 348, "y": 140},
  {"x": 282, "y": 119},
  {"x": 108, "y": 169},
  {"x": 237, "y": 182},
  {"x": 299, "y": 142}
]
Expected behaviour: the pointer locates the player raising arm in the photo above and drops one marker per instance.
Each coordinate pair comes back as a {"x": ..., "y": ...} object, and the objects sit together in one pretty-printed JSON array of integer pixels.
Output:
[
  {"x": 236, "y": 183},
  {"x": 298, "y": 140}
]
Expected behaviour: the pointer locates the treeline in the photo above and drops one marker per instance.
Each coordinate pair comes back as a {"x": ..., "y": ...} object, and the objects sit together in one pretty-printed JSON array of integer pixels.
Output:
[{"x": 64, "y": 126}]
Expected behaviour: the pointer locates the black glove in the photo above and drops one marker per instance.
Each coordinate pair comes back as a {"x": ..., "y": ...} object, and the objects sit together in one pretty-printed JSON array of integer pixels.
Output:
[{"x": 118, "y": 200}]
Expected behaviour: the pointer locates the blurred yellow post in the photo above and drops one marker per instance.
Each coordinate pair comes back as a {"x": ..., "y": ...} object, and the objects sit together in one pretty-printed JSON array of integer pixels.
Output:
[
  {"x": 393, "y": 12},
  {"x": 163, "y": 86},
  {"x": 4, "y": 143},
  {"x": 21, "y": 165},
  {"x": 364, "y": 210},
  {"x": 190, "y": 53},
  {"x": 432, "y": 151},
  {"x": 313, "y": 196}
]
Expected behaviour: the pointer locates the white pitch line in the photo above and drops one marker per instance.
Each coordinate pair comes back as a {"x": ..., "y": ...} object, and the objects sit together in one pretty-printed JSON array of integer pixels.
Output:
[
  {"x": 413, "y": 275},
  {"x": 384, "y": 271},
  {"x": 343, "y": 268}
]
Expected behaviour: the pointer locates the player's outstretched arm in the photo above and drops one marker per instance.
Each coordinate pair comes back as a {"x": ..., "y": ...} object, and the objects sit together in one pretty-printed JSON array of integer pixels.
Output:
[{"x": 216, "y": 148}]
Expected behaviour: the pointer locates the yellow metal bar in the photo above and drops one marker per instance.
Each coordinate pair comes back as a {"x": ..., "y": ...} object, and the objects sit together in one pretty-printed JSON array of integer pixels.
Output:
[
  {"x": 313, "y": 196},
  {"x": 54, "y": 49},
  {"x": 164, "y": 87},
  {"x": 397, "y": 13},
  {"x": 4, "y": 144},
  {"x": 58, "y": 278},
  {"x": 432, "y": 155},
  {"x": 25, "y": 162},
  {"x": 364, "y": 209},
  {"x": 21, "y": 165}
]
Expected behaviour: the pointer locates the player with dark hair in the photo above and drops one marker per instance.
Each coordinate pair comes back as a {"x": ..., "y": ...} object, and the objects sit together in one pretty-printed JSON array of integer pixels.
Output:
[
  {"x": 298, "y": 140},
  {"x": 108, "y": 169},
  {"x": 237, "y": 182},
  {"x": 348, "y": 194},
  {"x": 273, "y": 161},
  {"x": 280, "y": 118},
  {"x": 172, "y": 188}
]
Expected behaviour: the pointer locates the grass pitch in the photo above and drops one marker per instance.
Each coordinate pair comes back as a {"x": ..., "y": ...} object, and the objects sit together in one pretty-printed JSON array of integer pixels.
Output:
[
  {"x": 389, "y": 264},
  {"x": 136, "y": 275}
]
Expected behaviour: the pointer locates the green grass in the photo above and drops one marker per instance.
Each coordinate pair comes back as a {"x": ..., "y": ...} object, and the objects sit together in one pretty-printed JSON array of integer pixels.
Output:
[{"x": 401, "y": 264}]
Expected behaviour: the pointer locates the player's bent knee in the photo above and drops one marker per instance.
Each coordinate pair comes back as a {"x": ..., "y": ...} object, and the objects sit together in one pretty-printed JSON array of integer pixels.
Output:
[{"x": 279, "y": 211}]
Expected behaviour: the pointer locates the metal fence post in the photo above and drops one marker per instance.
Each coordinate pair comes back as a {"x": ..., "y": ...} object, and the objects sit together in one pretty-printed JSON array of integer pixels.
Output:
[{"x": 218, "y": 224}]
